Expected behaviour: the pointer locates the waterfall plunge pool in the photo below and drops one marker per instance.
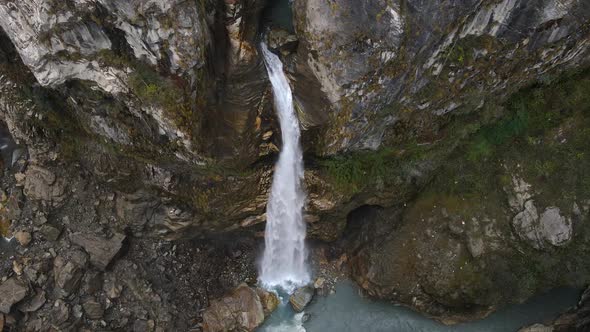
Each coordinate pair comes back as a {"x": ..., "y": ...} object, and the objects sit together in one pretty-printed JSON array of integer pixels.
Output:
[{"x": 347, "y": 311}]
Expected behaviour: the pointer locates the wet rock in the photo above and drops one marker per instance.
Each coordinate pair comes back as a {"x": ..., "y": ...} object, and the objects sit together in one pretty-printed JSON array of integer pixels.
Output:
[
  {"x": 35, "y": 303},
  {"x": 100, "y": 249},
  {"x": 11, "y": 292},
  {"x": 49, "y": 232},
  {"x": 319, "y": 283},
  {"x": 281, "y": 40},
  {"x": 93, "y": 309},
  {"x": 240, "y": 310},
  {"x": 42, "y": 184},
  {"x": 270, "y": 301},
  {"x": 24, "y": 238},
  {"x": 301, "y": 298}
]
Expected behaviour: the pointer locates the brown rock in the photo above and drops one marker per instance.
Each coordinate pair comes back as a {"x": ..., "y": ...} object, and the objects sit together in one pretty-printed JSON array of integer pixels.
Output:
[
  {"x": 24, "y": 238},
  {"x": 240, "y": 310},
  {"x": 42, "y": 184},
  {"x": 101, "y": 250},
  {"x": 11, "y": 292},
  {"x": 270, "y": 301}
]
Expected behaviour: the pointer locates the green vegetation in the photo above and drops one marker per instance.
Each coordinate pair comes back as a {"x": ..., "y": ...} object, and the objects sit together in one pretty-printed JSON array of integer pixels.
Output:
[
  {"x": 352, "y": 172},
  {"x": 532, "y": 112},
  {"x": 152, "y": 88}
]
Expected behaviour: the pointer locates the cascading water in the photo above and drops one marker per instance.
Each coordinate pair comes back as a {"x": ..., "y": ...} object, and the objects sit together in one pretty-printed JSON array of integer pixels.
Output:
[{"x": 284, "y": 261}]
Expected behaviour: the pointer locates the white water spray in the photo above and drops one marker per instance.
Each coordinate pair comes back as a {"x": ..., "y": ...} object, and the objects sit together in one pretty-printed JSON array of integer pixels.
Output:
[{"x": 284, "y": 260}]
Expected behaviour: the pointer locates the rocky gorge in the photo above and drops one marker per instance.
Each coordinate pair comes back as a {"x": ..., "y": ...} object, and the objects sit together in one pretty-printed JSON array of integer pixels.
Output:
[{"x": 445, "y": 149}]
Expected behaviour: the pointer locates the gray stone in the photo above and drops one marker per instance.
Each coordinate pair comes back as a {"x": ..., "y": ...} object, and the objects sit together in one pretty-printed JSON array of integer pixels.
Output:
[
  {"x": 100, "y": 249},
  {"x": 555, "y": 228},
  {"x": 11, "y": 292},
  {"x": 35, "y": 303},
  {"x": 93, "y": 309},
  {"x": 49, "y": 232},
  {"x": 301, "y": 298},
  {"x": 60, "y": 312},
  {"x": 525, "y": 225}
]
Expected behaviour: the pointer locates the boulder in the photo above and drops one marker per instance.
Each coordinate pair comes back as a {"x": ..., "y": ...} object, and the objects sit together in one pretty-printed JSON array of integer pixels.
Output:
[
  {"x": 241, "y": 310},
  {"x": 301, "y": 298},
  {"x": 11, "y": 292},
  {"x": 555, "y": 228},
  {"x": 100, "y": 249},
  {"x": 42, "y": 184},
  {"x": 270, "y": 301}
]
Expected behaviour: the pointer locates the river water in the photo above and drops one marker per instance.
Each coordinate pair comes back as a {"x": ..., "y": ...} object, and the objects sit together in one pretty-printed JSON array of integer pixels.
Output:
[{"x": 347, "y": 311}]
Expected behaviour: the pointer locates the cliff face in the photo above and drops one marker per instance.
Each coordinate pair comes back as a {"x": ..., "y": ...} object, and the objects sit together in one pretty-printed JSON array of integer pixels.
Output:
[{"x": 167, "y": 104}]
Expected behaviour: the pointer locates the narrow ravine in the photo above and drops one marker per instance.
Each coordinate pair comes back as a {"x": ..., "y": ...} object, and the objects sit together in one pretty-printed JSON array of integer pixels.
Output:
[{"x": 284, "y": 260}]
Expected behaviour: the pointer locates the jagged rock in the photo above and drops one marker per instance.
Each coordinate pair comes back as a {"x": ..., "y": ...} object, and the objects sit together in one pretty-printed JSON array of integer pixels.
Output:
[
  {"x": 526, "y": 225},
  {"x": 11, "y": 291},
  {"x": 270, "y": 301},
  {"x": 60, "y": 312},
  {"x": 24, "y": 238},
  {"x": 100, "y": 249},
  {"x": 68, "y": 272},
  {"x": 50, "y": 232},
  {"x": 92, "y": 282},
  {"x": 301, "y": 298},
  {"x": 281, "y": 40},
  {"x": 35, "y": 303},
  {"x": 93, "y": 309},
  {"x": 42, "y": 184},
  {"x": 240, "y": 310}
]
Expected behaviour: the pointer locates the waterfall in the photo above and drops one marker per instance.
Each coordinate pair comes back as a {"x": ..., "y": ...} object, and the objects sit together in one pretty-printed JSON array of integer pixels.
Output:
[{"x": 284, "y": 261}]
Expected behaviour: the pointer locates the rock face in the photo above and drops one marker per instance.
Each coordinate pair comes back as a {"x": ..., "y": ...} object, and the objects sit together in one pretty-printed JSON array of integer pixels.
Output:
[
  {"x": 240, "y": 310},
  {"x": 433, "y": 135}
]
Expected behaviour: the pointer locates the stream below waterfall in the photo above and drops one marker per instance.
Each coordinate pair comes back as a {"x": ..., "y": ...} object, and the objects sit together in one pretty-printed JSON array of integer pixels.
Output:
[{"x": 347, "y": 311}]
